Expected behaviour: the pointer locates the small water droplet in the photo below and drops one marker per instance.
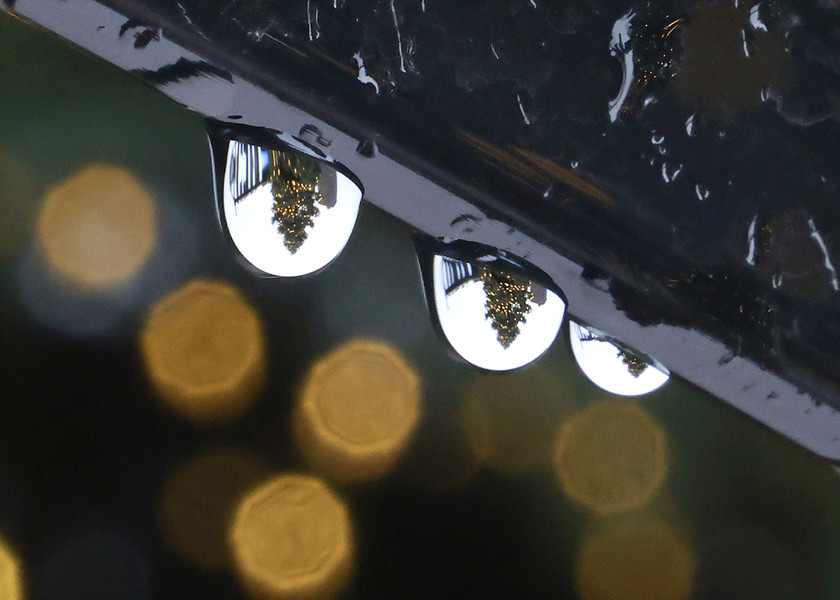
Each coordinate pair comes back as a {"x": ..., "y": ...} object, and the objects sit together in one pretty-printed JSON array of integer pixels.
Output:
[
  {"x": 492, "y": 316},
  {"x": 612, "y": 366},
  {"x": 702, "y": 192},
  {"x": 287, "y": 211}
]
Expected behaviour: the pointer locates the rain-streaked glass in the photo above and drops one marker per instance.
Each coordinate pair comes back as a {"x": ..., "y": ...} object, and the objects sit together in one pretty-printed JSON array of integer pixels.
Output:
[
  {"x": 493, "y": 316},
  {"x": 612, "y": 366},
  {"x": 288, "y": 213}
]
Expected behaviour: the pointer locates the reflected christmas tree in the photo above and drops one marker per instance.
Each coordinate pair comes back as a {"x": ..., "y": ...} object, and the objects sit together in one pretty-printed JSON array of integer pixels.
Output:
[
  {"x": 507, "y": 302},
  {"x": 636, "y": 365},
  {"x": 295, "y": 182}
]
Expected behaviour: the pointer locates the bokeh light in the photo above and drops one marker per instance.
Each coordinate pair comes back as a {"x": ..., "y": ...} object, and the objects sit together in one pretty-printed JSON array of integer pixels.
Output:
[
  {"x": 512, "y": 419},
  {"x": 638, "y": 559},
  {"x": 611, "y": 457},
  {"x": 94, "y": 564},
  {"x": 292, "y": 538},
  {"x": 204, "y": 352},
  {"x": 11, "y": 581},
  {"x": 199, "y": 499},
  {"x": 357, "y": 410},
  {"x": 97, "y": 227}
]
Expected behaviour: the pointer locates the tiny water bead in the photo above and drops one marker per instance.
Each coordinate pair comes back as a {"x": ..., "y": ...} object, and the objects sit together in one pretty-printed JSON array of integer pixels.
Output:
[{"x": 613, "y": 366}]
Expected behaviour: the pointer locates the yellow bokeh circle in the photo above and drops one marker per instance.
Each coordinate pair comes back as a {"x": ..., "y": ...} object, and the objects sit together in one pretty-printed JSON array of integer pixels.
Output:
[
  {"x": 357, "y": 410},
  {"x": 97, "y": 227},
  {"x": 11, "y": 581},
  {"x": 204, "y": 351},
  {"x": 640, "y": 559},
  {"x": 292, "y": 538},
  {"x": 611, "y": 457}
]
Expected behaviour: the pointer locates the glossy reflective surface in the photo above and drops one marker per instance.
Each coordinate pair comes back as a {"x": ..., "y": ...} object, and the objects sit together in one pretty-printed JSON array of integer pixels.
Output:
[
  {"x": 492, "y": 316},
  {"x": 613, "y": 367},
  {"x": 287, "y": 212}
]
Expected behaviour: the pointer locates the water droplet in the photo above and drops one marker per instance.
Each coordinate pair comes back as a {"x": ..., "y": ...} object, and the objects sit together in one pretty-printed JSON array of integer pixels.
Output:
[
  {"x": 613, "y": 366},
  {"x": 689, "y": 125},
  {"x": 493, "y": 316},
  {"x": 288, "y": 210},
  {"x": 657, "y": 139}
]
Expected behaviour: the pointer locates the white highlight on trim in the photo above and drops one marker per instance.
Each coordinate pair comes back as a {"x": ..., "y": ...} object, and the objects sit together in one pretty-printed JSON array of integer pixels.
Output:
[
  {"x": 399, "y": 36},
  {"x": 621, "y": 36},
  {"x": 689, "y": 125},
  {"x": 751, "y": 241},
  {"x": 363, "y": 76},
  {"x": 755, "y": 19},
  {"x": 816, "y": 235},
  {"x": 522, "y": 110}
]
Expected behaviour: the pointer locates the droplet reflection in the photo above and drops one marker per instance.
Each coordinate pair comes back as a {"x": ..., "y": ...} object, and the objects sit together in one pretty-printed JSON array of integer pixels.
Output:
[
  {"x": 288, "y": 212},
  {"x": 612, "y": 366},
  {"x": 292, "y": 538},
  {"x": 492, "y": 316}
]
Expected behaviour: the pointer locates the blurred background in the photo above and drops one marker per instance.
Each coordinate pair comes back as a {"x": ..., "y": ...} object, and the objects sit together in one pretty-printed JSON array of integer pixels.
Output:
[{"x": 163, "y": 432}]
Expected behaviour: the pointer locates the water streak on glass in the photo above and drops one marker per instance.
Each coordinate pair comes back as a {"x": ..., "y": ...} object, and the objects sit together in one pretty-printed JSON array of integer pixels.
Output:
[
  {"x": 612, "y": 366},
  {"x": 492, "y": 316},
  {"x": 288, "y": 212}
]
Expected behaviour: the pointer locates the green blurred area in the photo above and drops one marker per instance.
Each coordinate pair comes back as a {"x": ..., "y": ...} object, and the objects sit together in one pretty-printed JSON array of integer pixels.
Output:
[{"x": 61, "y": 110}]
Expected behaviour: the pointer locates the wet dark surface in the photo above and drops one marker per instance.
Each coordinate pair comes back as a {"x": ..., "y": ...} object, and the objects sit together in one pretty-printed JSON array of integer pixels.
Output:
[{"x": 730, "y": 124}]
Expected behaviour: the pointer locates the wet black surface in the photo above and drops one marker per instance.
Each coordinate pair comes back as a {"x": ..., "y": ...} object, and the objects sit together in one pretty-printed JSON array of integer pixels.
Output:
[{"x": 731, "y": 120}]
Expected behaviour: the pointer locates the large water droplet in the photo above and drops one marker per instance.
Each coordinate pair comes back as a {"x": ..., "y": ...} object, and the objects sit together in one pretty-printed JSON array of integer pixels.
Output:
[
  {"x": 491, "y": 314},
  {"x": 288, "y": 210},
  {"x": 613, "y": 366}
]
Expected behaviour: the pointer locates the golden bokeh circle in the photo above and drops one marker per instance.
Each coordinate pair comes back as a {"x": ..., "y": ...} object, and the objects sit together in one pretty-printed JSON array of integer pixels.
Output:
[
  {"x": 198, "y": 501},
  {"x": 97, "y": 227},
  {"x": 357, "y": 409},
  {"x": 11, "y": 580},
  {"x": 204, "y": 352},
  {"x": 640, "y": 559},
  {"x": 292, "y": 538},
  {"x": 511, "y": 419},
  {"x": 612, "y": 456}
]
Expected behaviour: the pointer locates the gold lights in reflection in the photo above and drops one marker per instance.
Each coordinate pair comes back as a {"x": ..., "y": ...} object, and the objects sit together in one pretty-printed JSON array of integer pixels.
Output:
[
  {"x": 199, "y": 499},
  {"x": 97, "y": 227},
  {"x": 611, "y": 457},
  {"x": 357, "y": 410},
  {"x": 204, "y": 352},
  {"x": 292, "y": 538},
  {"x": 511, "y": 419},
  {"x": 11, "y": 581},
  {"x": 633, "y": 560}
]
